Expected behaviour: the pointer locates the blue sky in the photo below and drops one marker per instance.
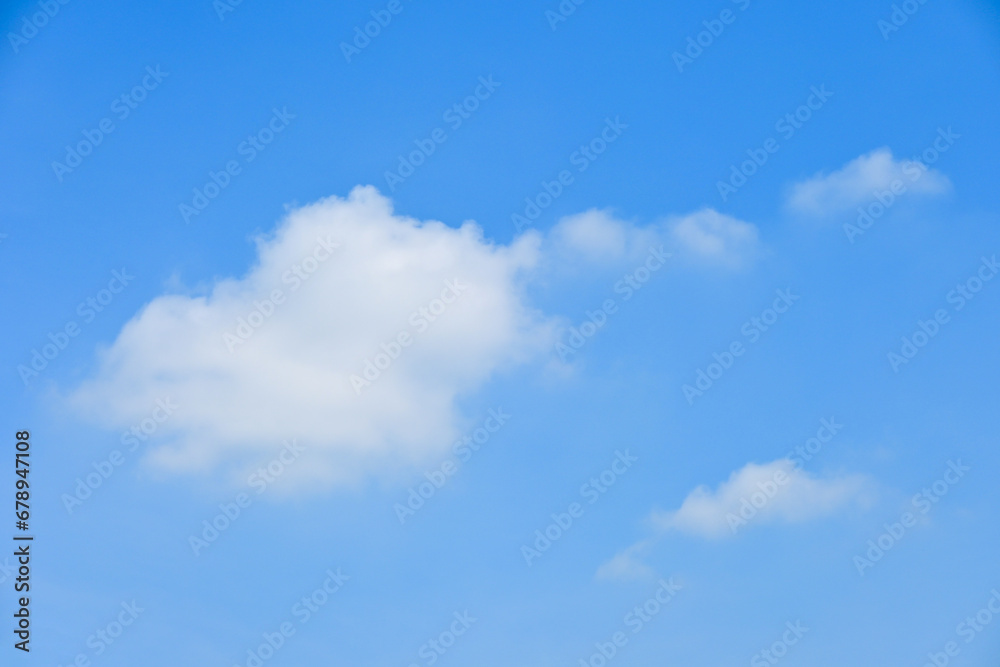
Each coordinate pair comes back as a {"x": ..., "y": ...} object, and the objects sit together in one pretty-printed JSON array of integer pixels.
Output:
[{"x": 233, "y": 281}]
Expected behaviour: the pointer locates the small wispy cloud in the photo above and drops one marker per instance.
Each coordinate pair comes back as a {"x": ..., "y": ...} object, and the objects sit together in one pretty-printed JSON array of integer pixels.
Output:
[
  {"x": 704, "y": 237},
  {"x": 628, "y": 565},
  {"x": 775, "y": 492},
  {"x": 711, "y": 237},
  {"x": 772, "y": 492},
  {"x": 860, "y": 181}
]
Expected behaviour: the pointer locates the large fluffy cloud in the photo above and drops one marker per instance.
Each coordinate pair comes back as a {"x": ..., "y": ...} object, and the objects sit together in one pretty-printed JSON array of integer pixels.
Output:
[
  {"x": 312, "y": 342},
  {"x": 355, "y": 332},
  {"x": 859, "y": 182}
]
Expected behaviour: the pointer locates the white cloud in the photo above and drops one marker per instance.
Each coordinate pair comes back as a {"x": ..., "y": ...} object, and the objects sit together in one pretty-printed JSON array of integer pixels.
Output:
[
  {"x": 355, "y": 332},
  {"x": 714, "y": 238},
  {"x": 776, "y": 491},
  {"x": 597, "y": 236},
  {"x": 627, "y": 565},
  {"x": 858, "y": 182},
  {"x": 594, "y": 234},
  {"x": 703, "y": 237},
  {"x": 292, "y": 377}
]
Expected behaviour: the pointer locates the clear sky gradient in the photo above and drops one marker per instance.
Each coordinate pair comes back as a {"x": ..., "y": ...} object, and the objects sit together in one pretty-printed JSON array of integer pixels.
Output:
[{"x": 166, "y": 167}]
